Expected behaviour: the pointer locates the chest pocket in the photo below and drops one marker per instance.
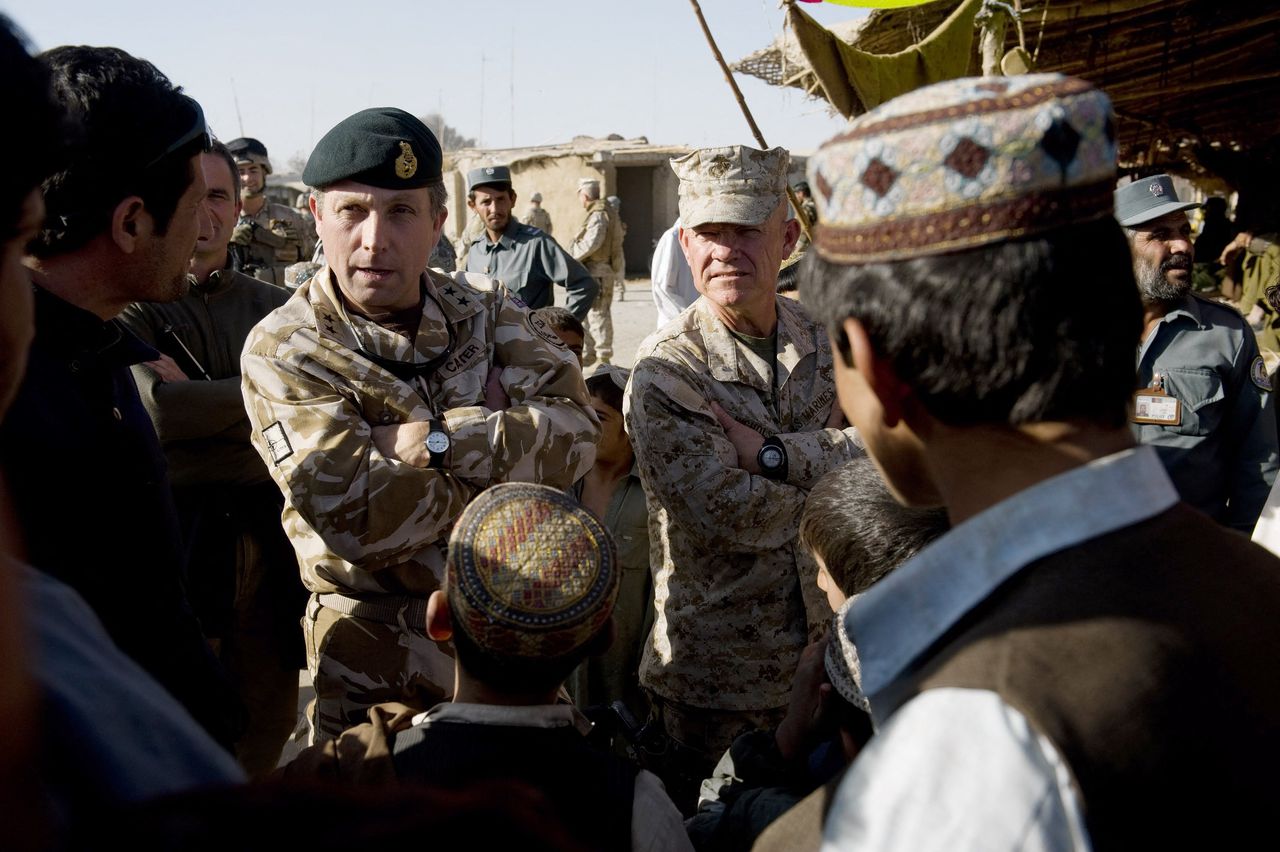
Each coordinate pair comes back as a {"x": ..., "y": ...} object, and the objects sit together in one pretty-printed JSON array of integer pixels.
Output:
[{"x": 1201, "y": 395}]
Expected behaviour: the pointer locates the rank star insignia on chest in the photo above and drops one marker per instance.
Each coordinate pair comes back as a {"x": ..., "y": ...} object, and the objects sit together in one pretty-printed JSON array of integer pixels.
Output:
[{"x": 406, "y": 163}]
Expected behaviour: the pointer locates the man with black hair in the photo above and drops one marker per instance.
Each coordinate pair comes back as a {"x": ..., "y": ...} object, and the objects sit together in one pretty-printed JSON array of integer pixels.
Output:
[
  {"x": 1206, "y": 403},
  {"x": 242, "y": 575},
  {"x": 529, "y": 593},
  {"x": 1064, "y": 669},
  {"x": 269, "y": 237},
  {"x": 83, "y": 729},
  {"x": 124, "y": 207},
  {"x": 527, "y": 260}
]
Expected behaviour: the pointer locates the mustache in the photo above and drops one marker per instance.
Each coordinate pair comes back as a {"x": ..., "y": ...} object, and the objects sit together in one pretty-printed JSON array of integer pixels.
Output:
[{"x": 1180, "y": 260}]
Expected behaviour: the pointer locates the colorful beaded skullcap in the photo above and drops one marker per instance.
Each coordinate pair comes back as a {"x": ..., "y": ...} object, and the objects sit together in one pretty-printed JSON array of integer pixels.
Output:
[
  {"x": 531, "y": 573},
  {"x": 841, "y": 661},
  {"x": 964, "y": 163}
]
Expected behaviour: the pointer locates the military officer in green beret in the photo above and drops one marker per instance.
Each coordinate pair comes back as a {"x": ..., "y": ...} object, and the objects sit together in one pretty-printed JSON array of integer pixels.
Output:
[
  {"x": 383, "y": 398},
  {"x": 269, "y": 237}
]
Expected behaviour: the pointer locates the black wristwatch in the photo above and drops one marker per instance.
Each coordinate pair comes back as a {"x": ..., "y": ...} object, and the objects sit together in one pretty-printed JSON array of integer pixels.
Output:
[
  {"x": 437, "y": 443},
  {"x": 772, "y": 458}
]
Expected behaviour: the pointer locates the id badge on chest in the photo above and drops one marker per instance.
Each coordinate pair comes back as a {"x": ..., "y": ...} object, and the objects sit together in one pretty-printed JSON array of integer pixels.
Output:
[{"x": 1152, "y": 405}]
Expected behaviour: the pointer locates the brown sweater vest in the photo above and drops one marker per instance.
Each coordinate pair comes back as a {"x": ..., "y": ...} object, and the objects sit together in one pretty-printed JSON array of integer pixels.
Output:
[{"x": 1150, "y": 657}]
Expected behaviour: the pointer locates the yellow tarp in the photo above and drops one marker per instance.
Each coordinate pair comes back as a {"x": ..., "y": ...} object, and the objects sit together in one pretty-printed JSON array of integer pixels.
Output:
[{"x": 855, "y": 81}]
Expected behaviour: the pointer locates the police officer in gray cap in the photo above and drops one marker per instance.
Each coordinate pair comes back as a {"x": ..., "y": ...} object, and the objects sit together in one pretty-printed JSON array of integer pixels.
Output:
[
  {"x": 1204, "y": 399},
  {"x": 384, "y": 396},
  {"x": 521, "y": 256}
]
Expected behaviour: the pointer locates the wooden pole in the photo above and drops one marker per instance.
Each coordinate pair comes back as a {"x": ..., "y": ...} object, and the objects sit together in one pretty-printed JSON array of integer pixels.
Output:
[{"x": 746, "y": 112}]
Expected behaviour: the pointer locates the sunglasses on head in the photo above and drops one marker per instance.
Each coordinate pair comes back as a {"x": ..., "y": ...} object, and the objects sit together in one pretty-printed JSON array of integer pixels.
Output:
[{"x": 198, "y": 129}]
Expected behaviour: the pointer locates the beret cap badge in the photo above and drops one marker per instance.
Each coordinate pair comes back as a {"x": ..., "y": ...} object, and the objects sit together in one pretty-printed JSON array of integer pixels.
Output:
[{"x": 406, "y": 163}]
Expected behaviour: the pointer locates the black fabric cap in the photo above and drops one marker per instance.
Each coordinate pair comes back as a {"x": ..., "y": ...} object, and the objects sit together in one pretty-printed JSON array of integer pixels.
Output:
[{"x": 383, "y": 147}]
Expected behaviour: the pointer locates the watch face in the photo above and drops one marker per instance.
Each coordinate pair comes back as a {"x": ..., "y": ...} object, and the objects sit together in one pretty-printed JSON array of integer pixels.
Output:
[
  {"x": 771, "y": 458},
  {"x": 437, "y": 442}
]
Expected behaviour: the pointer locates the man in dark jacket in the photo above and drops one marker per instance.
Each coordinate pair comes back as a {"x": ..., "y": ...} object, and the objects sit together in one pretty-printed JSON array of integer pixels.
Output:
[{"x": 241, "y": 573}]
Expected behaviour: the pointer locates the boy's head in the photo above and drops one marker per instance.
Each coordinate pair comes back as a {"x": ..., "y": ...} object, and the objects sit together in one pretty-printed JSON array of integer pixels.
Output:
[
  {"x": 566, "y": 326},
  {"x": 607, "y": 385},
  {"x": 531, "y": 581},
  {"x": 858, "y": 532},
  {"x": 968, "y": 265}
]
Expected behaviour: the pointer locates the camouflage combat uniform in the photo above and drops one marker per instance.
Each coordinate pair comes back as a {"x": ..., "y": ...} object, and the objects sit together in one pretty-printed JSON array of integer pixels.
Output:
[
  {"x": 371, "y": 532},
  {"x": 618, "y": 263},
  {"x": 731, "y": 585},
  {"x": 276, "y": 238},
  {"x": 539, "y": 218},
  {"x": 591, "y": 247}
]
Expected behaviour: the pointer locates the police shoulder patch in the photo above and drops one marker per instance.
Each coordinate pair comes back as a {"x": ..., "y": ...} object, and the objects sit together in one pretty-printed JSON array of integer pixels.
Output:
[
  {"x": 1258, "y": 372},
  {"x": 277, "y": 442}
]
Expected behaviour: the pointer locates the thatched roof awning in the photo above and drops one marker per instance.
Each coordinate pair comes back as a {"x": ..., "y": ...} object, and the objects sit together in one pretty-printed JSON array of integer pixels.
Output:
[{"x": 1187, "y": 77}]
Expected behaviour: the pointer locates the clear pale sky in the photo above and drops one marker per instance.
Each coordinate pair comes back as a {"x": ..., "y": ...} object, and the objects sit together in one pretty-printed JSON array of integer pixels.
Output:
[{"x": 638, "y": 68}]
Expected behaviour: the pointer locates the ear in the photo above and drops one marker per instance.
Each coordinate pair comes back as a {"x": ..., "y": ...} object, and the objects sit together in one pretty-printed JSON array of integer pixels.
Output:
[
  {"x": 439, "y": 619},
  {"x": 311, "y": 204},
  {"x": 790, "y": 236},
  {"x": 877, "y": 372},
  {"x": 130, "y": 221},
  {"x": 513, "y": 197}
]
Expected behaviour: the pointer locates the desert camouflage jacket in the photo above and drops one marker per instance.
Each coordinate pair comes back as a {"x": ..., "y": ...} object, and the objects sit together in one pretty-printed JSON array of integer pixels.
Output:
[
  {"x": 364, "y": 524},
  {"x": 731, "y": 585}
]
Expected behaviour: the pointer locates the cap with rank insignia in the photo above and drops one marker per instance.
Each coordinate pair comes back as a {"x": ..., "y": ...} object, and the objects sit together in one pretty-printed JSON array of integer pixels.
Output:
[
  {"x": 383, "y": 147},
  {"x": 489, "y": 176},
  {"x": 1148, "y": 199}
]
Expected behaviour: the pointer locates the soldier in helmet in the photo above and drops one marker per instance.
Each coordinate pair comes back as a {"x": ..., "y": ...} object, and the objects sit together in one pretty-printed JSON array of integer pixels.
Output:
[
  {"x": 537, "y": 216},
  {"x": 270, "y": 236}
]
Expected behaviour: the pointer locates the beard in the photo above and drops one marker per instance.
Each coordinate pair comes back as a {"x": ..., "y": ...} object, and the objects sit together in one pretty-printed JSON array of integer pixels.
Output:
[{"x": 1155, "y": 285}]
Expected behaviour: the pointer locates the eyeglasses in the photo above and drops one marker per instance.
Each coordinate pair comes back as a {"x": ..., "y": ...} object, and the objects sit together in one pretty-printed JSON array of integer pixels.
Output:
[{"x": 198, "y": 129}]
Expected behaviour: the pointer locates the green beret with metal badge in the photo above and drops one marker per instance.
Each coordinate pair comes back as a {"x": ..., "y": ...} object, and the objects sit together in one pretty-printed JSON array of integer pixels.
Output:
[{"x": 383, "y": 147}]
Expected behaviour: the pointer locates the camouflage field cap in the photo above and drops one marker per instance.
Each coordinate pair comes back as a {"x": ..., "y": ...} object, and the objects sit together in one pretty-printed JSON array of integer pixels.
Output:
[
  {"x": 588, "y": 184},
  {"x": 530, "y": 573},
  {"x": 383, "y": 147},
  {"x": 964, "y": 163},
  {"x": 736, "y": 184},
  {"x": 246, "y": 151},
  {"x": 537, "y": 196},
  {"x": 1147, "y": 199},
  {"x": 489, "y": 176}
]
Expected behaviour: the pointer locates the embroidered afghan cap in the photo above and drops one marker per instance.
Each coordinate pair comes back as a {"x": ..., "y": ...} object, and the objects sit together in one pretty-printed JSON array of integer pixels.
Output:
[
  {"x": 736, "y": 185},
  {"x": 1148, "y": 198},
  {"x": 383, "y": 147},
  {"x": 964, "y": 163},
  {"x": 841, "y": 661},
  {"x": 531, "y": 573},
  {"x": 489, "y": 176}
]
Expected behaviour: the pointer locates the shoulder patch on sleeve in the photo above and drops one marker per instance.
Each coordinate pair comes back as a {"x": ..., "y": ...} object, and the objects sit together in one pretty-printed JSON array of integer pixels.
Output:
[
  {"x": 277, "y": 442},
  {"x": 539, "y": 326},
  {"x": 1258, "y": 372}
]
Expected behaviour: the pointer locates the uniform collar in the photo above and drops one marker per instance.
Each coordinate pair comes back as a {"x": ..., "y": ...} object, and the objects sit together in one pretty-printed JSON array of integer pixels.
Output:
[
  {"x": 731, "y": 360},
  {"x": 507, "y": 239},
  {"x": 445, "y": 295},
  {"x": 896, "y": 621}
]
